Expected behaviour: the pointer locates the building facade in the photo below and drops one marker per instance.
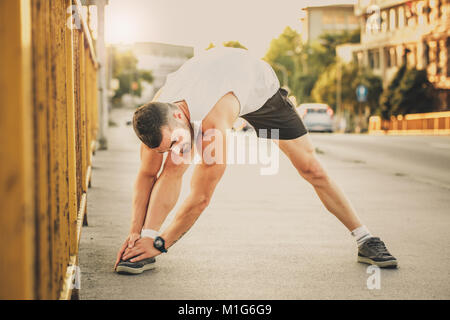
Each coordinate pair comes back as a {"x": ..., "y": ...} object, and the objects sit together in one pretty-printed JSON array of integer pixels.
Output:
[
  {"x": 317, "y": 20},
  {"x": 393, "y": 32}
]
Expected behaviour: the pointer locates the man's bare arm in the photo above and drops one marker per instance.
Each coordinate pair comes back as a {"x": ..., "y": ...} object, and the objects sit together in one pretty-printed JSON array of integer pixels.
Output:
[
  {"x": 204, "y": 180},
  {"x": 151, "y": 162},
  {"x": 203, "y": 184}
]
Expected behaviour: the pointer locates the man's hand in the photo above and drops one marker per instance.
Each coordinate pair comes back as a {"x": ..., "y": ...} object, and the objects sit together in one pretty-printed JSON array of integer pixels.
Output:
[
  {"x": 143, "y": 249},
  {"x": 129, "y": 243}
]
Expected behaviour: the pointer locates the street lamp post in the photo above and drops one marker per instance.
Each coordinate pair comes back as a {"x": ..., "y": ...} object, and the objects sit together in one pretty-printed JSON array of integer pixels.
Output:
[{"x": 339, "y": 113}]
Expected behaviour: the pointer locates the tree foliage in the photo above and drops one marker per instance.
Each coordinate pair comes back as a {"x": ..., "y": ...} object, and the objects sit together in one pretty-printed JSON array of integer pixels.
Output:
[
  {"x": 325, "y": 89},
  {"x": 410, "y": 91},
  {"x": 298, "y": 65},
  {"x": 230, "y": 44},
  {"x": 130, "y": 78},
  {"x": 234, "y": 44}
]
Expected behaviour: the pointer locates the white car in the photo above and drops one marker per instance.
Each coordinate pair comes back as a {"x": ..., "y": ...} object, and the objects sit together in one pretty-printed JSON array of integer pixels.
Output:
[{"x": 316, "y": 116}]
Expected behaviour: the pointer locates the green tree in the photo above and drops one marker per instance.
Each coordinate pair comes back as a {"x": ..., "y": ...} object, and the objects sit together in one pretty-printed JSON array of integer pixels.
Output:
[
  {"x": 325, "y": 89},
  {"x": 124, "y": 69},
  {"x": 210, "y": 46},
  {"x": 230, "y": 44},
  {"x": 415, "y": 94},
  {"x": 388, "y": 94},
  {"x": 284, "y": 55},
  {"x": 410, "y": 91},
  {"x": 234, "y": 44},
  {"x": 298, "y": 65}
]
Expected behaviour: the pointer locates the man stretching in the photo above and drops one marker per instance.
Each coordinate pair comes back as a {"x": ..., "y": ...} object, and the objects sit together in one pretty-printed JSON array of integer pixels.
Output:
[{"x": 215, "y": 89}]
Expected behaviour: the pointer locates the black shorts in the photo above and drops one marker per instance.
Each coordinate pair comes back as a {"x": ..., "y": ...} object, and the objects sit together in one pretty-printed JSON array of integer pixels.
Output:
[{"x": 277, "y": 113}]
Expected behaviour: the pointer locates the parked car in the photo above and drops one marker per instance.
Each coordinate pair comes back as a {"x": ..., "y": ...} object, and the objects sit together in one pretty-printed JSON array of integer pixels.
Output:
[{"x": 317, "y": 117}]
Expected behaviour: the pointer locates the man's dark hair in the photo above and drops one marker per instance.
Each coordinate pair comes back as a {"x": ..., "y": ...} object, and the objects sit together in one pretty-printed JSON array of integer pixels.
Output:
[{"x": 148, "y": 120}]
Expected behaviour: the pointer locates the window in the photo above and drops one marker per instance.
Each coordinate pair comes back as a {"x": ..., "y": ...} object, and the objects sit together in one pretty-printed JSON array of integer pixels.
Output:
[
  {"x": 387, "y": 55},
  {"x": 447, "y": 44},
  {"x": 393, "y": 54},
  {"x": 419, "y": 11},
  {"x": 392, "y": 19},
  {"x": 377, "y": 59},
  {"x": 432, "y": 56},
  {"x": 391, "y": 57},
  {"x": 412, "y": 53},
  {"x": 374, "y": 59},
  {"x": 411, "y": 13},
  {"x": 438, "y": 58},
  {"x": 384, "y": 21},
  {"x": 401, "y": 55},
  {"x": 401, "y": 17},
  {"x": 355, "y": 58},
  {"x": 440, "y": 8},
  {"x": 371, "y": 60},
  {"x": 426, "y": 54},
  {"x": 359, "y": 56}
]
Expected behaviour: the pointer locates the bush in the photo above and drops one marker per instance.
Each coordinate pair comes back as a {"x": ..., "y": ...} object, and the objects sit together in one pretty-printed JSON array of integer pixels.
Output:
[{"x": 409, "y": 92}]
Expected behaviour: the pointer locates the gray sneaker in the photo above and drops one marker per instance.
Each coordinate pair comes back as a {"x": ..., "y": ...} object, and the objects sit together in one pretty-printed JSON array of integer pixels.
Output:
[
  {"x": 373, "y": 251},
  {"x": 128, "y": 267}
]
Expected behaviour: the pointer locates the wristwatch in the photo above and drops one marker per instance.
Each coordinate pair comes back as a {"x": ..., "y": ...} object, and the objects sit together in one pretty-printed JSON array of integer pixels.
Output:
[{"x": 159, "y": 244}]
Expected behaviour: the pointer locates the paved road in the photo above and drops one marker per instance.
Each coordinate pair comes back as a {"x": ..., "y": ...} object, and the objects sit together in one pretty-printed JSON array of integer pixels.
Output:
[
  {"x": 422, "y": 158},
  {"x": 269, "y": 237}
]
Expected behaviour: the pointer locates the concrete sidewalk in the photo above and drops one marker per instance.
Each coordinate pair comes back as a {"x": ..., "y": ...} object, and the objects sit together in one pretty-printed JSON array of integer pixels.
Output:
[{"x": 269, "y": 237}]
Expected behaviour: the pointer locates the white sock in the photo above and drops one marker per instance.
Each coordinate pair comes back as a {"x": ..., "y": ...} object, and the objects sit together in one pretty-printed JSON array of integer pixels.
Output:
[{"x": 361, "y": 234}]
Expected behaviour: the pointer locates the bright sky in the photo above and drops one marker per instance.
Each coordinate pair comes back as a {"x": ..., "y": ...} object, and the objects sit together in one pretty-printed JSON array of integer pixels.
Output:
[{"x": 198, "y": 22}]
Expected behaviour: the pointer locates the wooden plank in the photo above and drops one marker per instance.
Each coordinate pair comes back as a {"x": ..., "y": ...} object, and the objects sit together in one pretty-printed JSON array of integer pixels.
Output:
[
  {"x": 54, "y": 159},
  {"x": 40, "y": 19},
  {"x": 86, "y": 32},
  {"x": 83, "y": 128},
  {"x": 71, "y": 144},
  {"x": 61, "y": 91},
  {"x": 83, "y": 135},
  {"x": 16, "y": 153}
]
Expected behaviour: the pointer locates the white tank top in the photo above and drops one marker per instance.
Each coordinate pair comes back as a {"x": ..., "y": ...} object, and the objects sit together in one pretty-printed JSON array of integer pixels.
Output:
[{"x": 204, "y": 79}]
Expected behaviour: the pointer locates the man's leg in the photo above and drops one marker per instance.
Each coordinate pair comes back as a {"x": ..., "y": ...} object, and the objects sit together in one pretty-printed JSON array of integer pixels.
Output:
[
  {"x": 165, "y": 193},
  {"x": 302, "y": 154}
]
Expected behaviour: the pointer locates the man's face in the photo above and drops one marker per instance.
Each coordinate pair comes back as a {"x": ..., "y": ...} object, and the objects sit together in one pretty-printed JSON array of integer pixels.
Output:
[{"x": 176, "y": 137}]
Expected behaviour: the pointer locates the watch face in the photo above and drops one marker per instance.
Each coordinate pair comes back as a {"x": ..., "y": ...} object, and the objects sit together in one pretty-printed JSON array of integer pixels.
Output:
[{"x": 158, "y": 243}]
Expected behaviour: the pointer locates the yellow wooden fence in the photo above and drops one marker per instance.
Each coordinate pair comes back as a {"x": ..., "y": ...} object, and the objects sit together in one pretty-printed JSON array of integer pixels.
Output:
[
  {"x": 432, "y": 123},
  {"x": 48, "y": 127}
]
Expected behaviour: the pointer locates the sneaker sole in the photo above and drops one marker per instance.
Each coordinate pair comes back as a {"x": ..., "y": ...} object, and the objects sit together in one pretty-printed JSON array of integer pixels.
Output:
[
  {"x": 381, "y": 264},
  {"x": 129, "y": 270}
]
